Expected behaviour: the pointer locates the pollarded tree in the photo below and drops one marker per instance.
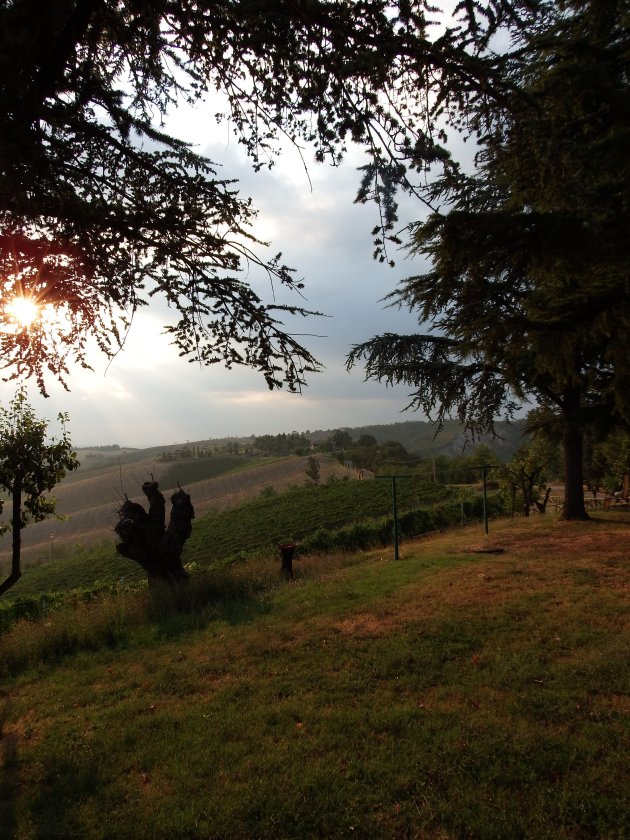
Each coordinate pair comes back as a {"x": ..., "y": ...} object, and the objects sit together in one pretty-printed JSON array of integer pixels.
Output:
[
  {"x": 527, "y": 298},
  {"x": 31, "y": 464},
  {"x": 149, "y": 541},
  {"x": 101, "y": 210}
]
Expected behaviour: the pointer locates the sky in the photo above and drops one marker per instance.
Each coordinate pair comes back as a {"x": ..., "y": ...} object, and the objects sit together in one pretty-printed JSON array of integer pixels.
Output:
[{"x": 148, "y": 396}]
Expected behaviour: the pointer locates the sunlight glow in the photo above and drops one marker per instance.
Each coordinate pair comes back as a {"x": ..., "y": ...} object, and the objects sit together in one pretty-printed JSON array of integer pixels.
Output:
[{"x": 24, "y": 311}]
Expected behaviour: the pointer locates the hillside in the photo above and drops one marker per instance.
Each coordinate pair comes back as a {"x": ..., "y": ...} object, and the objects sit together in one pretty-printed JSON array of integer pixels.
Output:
[
  {"x": 449, "y": 695},
  {"x": 89, "y": 498},
  {"x": 347, "y": 515},
  {"x": 418, "y": 437}
]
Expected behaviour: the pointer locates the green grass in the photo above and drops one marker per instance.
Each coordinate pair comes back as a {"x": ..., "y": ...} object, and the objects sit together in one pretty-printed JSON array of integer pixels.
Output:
[
  {"x": 449, "y": 695},
  {"x": 303, "y": 511},
  {"x": 81, "y": 567}
]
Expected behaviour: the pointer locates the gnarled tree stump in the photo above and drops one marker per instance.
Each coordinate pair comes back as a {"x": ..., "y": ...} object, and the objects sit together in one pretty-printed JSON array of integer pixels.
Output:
[{"x": 146, "y": 539}]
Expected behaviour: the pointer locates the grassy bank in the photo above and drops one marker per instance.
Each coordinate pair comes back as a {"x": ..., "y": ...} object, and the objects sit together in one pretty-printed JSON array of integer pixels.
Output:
[{"x": 452, "y": 694}]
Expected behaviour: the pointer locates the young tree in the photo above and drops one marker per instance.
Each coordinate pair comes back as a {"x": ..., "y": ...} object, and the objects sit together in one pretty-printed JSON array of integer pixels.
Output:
[
  {"x": 312, "y": 469},
  {"x": 607, "y": 463},
  {"x": 526, "y": 475},
  {"x": 527, "y": 296},
  {"x": 101, "y": 210},
  {"x": 31, "y": 464}
]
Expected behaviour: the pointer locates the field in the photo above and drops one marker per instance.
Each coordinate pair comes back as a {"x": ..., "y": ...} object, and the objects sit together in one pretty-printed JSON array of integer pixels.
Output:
[
  {"x": 453, "y": 694},
  {"x": 267, "y": 522},
  {"x": 89, "y": 498},
  {"x": 255, "y": 525}
]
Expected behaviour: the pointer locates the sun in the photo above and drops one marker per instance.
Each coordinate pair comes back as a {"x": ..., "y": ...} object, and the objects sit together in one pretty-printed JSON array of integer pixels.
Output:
[{"x": 24, "y": 311}]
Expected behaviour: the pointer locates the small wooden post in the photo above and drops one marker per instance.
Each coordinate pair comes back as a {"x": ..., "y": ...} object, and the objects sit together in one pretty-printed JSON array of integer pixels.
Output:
[
  {"x": 485, "y": 498},
  {"x": 287, "y": 550}
]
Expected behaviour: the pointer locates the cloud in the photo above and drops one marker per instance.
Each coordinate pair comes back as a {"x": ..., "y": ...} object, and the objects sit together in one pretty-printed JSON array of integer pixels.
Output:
[{"x": 149, "y": 396}]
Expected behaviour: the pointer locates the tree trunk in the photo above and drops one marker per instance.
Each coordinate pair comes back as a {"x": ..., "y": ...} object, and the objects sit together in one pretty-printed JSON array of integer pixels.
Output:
[
  {"x": 16, "y": 528},
  {"x": 528, "y": 494},
  {"x": 574, "y": 508},
  {"x": 542, "y": 506},
  {"x": 146, "y": 540}
]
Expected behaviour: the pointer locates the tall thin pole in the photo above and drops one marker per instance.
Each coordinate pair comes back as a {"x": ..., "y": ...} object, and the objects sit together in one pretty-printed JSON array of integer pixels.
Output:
[
  {"x": 485, "y": 504},
  {"x": 393, "y": 478},
  {"x": 395, "y": 513}
]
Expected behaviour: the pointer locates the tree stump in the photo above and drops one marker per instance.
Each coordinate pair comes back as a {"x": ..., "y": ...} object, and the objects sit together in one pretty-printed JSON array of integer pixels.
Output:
[
  {"x": 287, "y": 550},
  {"x": 146, "y": 539}
]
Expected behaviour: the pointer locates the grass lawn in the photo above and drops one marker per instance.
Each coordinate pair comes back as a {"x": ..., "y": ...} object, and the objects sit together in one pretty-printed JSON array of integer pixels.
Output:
[{"x": 451, "y": 694}]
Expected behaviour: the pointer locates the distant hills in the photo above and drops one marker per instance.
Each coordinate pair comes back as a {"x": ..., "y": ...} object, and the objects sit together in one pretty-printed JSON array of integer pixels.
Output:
[{"x": 417, "y": 436}]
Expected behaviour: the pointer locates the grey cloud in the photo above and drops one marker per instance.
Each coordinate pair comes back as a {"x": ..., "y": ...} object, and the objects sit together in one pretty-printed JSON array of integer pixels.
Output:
[{"x": 150, "y": 396}]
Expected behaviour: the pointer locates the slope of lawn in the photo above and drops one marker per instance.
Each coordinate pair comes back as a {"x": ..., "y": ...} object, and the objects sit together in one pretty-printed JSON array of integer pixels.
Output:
[{"x": 451, "y": 694}]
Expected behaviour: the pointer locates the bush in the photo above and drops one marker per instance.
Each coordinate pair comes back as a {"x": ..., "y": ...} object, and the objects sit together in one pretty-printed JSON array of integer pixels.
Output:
[{"x": 370, "y": 533}]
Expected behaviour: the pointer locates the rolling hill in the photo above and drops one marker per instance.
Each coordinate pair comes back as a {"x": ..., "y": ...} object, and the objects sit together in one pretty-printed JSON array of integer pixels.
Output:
[
  {"x": 89, "y": 498},
  {"x": 419, "y": 438}
]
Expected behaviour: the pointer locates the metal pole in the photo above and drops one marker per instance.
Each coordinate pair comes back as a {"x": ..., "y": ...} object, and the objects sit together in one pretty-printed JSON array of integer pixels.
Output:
[
  {"x": 485, "y": 506},
  {"x": 395, "y": 512},
  {"x": 393, "y": 478}
]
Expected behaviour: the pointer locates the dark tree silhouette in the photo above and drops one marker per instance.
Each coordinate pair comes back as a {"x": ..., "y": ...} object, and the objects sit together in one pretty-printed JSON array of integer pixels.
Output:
[
  {"x": 526, "y": 299},
  {"x": 146, "y": 539},
  {"x": 101, "y": 210}
]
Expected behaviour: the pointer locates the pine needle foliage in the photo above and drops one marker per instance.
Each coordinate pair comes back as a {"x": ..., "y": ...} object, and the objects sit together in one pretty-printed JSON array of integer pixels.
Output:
[
  {"x": 102, "y": 210},
  {"x": 526, "y": 299}
]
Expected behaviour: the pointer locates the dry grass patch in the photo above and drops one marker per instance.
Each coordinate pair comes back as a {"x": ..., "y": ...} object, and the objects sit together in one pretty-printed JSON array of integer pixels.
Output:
[{"x": 608, "y": 537}]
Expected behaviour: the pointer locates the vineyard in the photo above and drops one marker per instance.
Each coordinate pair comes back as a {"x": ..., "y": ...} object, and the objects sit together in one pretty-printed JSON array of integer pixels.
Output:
[
  {"x": 302, "y": 512},
  {"x": 189, "y": 471},
  {"x": 358, "y": 512},
  {"x": 88, "y": 500}
]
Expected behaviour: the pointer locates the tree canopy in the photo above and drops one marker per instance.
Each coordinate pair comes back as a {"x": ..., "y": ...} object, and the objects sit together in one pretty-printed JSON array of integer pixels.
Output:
[
  {"x": 101, "y": 210},
  {"x": 31, "y": 464},
  {"x": 527, "y": 295},
  {"x": 522, "y": 480}
]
